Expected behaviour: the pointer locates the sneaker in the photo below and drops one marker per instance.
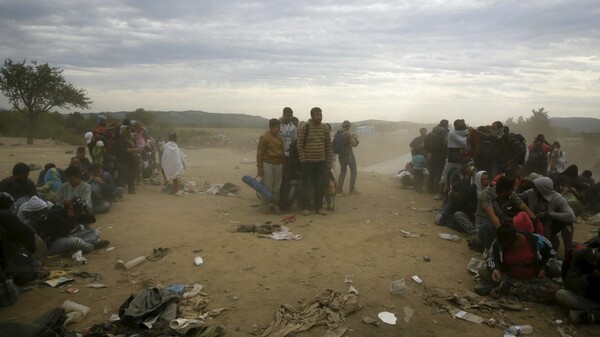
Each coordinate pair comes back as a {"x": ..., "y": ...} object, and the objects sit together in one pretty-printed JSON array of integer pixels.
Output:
[
  {"x": 101, "y": 244},
  {"x": 320, "y": 212},
  {"x": 355, "y": 192},
  {"x": 305, "y": 212},
  {"x": 584, "y": 317}
]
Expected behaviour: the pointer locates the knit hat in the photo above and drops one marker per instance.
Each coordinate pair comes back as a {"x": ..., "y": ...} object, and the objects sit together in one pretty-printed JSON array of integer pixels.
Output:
[{"x": 88, "y": 137}]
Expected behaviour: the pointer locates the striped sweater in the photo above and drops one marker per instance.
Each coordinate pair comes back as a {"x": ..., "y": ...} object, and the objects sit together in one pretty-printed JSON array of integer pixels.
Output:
[{"x": 315, "y": 145}]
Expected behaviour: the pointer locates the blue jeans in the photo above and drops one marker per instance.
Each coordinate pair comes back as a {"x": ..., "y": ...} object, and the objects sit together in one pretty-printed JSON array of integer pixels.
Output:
[
  {"x": 79, "y": 241},
  {"x": 346, "y": 161}
]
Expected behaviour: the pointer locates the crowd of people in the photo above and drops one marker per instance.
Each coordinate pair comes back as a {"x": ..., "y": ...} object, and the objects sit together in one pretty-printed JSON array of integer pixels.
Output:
[
  {"x": 514, "y": 200},
  {"x": 53, "y": 215},
  {"x": 295, "y": 163}
]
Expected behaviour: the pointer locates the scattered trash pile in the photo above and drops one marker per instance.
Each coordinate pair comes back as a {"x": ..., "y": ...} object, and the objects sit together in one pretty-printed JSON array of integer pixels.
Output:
[
  {"x": 329, "y": 308},
  {"x": 191, "y": 187},
  {"x": 269, "y": 231},
  {"x": 170, "y": 311}
]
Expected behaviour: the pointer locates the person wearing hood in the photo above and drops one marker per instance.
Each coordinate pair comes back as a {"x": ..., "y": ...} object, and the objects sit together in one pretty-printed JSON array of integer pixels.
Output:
[
  {"x": 173, "y": 164},
  {"x": 552, "y": 209}
]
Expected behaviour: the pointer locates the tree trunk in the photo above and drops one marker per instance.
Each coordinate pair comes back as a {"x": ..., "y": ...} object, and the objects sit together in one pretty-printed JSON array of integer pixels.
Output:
[{"x": 30, "y": 127}]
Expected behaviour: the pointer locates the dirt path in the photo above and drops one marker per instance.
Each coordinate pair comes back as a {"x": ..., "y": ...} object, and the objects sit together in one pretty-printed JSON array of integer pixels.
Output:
[{"x": 361, "y": 239}]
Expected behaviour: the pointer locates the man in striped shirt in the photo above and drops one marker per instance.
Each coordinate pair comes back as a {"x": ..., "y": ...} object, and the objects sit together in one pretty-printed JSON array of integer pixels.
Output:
[{"x": 316, "y": 156}]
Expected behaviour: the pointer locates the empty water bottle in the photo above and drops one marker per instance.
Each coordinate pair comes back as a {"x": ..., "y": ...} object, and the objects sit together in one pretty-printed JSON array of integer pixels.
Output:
[{"x": 518, "y": 330}]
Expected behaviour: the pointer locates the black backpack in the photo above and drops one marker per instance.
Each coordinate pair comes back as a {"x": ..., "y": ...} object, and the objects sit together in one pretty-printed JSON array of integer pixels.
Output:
[
  {"x": 337, "y": 144},
  {"x": 434, "y": 141},
  {"x": 537, "y": 157}
]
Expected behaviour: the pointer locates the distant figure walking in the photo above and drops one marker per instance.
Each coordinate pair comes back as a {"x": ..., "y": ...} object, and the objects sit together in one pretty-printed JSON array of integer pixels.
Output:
[
  {"x": 173, "y": 163},
  {"x": 346, "y": 156}
]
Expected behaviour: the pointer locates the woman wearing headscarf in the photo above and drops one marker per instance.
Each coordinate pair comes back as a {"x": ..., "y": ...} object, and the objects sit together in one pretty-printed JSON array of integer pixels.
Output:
[
  {"x": 173, "y": 163},
  {"x": 52, "y": 182}
]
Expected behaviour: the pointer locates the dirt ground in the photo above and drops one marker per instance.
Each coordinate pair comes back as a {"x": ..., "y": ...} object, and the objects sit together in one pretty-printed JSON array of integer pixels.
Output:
[{"x": 361, "y": 240}]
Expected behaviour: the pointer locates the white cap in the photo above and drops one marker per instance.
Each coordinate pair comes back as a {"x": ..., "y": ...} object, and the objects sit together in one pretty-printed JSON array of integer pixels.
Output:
[
  {"x": 100, "y": 143},
  {"x": 88, "y": 137}
]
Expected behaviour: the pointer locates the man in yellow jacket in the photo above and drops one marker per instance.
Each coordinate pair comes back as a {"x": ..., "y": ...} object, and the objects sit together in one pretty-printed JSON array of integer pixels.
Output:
[{"x": 269, "y": 164}]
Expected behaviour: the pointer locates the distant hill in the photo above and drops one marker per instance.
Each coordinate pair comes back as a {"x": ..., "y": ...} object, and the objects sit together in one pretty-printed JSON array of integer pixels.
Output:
[
  {"x": 576, "y": 124},
  {"x": 195, "y": 118}
]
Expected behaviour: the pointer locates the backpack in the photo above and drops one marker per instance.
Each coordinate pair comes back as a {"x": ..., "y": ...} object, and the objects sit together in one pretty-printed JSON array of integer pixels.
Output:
[
  {"x": 519, "y": 146},
  {"x": 337, "y": 144},
  {"x": 434, "y": 141},
  {"x": 536, "y": 157}
]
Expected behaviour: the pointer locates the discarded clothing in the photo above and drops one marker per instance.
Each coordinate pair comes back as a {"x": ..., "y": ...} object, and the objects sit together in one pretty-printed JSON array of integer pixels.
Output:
[
  {"x": 329, "y": 308},
  {"x": 148, "y": 304}
]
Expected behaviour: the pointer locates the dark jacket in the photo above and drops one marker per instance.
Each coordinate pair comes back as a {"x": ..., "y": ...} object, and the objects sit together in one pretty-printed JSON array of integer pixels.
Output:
[
  {"x": 580, "y": 279},
  {"x": 540, "y": 247}
]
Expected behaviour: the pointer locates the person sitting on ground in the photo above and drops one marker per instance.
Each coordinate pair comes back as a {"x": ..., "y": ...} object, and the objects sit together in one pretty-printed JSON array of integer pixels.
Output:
[
  {"x": 173, "y": 164},
  {"x": 522, "y": 265},
  {"x": 464, "y": 217},
  {"x": 52, "y": 183},
  {"x": 19, "y": 186},
  {"x": 100, "y": 189},
  {"x": 498, "y": 205},
  {"x": 99, "y": 153},
  {"x": 459, "y": 188},
  {"x": 62, "y": 228},
  {"x": 74, "y": 187},
  {"x": 553, "y": 210},
  {"x": 14, "y": 236},
  {"x": 269, "y": 163},
  {"x": 582, "y": 284},
  {"x": 83, "y": 160},
  {"x": 42, "y": 175}
]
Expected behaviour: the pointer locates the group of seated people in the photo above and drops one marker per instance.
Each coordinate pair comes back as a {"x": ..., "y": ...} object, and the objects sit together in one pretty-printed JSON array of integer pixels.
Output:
[
  {"x": 52, "y": 218},
  {"x": 516, "y": 222}
]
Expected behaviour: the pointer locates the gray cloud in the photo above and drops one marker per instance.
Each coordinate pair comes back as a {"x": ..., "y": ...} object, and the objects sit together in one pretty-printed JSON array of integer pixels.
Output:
[{"x": 393, "y": 54}]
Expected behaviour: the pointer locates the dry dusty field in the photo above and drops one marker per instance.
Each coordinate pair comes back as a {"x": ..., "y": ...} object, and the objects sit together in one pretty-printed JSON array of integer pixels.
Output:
[{"x": 253, "y": 276}]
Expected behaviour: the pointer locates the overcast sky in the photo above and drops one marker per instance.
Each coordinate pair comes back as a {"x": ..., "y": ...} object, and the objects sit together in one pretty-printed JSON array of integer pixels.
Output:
[{"x": 394, "y": 60}]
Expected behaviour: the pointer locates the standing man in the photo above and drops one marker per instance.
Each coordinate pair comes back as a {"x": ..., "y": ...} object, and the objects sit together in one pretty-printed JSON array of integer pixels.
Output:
[
  {"x": 346, "y": 157},
  {"x": 418, "y": 143},
  {"x": 436, "y": 144},
  {"x": 316, "y": 156},
  {"x": 288, "y": 133},
  {"x": 269, "y": 162}
]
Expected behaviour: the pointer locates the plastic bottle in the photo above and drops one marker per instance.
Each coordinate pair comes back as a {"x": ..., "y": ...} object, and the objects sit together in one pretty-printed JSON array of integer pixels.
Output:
[
  {"x": 518, "y": 330},
  {"x": 449, "y": 237}
]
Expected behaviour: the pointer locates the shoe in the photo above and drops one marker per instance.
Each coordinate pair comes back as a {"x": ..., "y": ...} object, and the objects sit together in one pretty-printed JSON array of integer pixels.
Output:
[
  {"x": 355, "y": 192},
  {"x": 305, "y": 212},
  {"x": 438, "y": 197},
  {"x": 484, "y": 289},
  {"x": 101, "y": 244},
  {"x": 330, "y": 208},
  {"x": 320, "y": 212},
  {"x": 584, "y": 317}
]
